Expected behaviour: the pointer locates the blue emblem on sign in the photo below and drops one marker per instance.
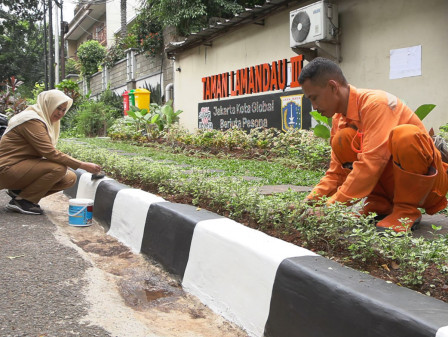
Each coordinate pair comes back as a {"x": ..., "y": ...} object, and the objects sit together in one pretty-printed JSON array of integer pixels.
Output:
[{"x": 291, "y": 112}]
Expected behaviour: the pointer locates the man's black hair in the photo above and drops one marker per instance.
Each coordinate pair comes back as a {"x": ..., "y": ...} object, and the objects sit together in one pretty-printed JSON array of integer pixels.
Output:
[{"x": 320, "y": 70}]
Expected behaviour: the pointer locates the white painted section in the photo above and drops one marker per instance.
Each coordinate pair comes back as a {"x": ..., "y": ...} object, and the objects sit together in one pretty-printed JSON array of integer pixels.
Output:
[
  {"x": 87, "y": 187},
  {"x": 442, "y": 332},
  {"x": 129, "y": 216},
  {"x": 231, "y": 269}
]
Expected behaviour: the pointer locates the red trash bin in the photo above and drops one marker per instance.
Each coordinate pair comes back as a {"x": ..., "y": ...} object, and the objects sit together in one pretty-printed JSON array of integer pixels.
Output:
[{"x": 125, "y": 102}]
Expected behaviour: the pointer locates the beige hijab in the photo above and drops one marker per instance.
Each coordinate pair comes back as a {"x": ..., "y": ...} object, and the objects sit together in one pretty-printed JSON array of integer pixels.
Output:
[{"x": 46, "y": 104}]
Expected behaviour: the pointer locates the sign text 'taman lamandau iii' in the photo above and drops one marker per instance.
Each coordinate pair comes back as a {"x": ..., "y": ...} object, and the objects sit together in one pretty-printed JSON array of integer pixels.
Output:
[{"x": 257, "y": 96}]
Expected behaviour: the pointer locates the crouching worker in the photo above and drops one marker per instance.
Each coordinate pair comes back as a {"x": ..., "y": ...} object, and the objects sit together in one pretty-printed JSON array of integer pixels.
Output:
[
  {"x": 380, "y": 150},
  {"x": 30, "y": 166}
]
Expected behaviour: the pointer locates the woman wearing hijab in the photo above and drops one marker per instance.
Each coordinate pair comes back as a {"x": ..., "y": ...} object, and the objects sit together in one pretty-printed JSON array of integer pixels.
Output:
[{"x": 30, "y": 165}]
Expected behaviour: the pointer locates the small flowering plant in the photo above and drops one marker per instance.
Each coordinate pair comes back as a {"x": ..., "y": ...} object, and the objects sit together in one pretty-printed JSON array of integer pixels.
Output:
[{"x": 152, "y": 43}]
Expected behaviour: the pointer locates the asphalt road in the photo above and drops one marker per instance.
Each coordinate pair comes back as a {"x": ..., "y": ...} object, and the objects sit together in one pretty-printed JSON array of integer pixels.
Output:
[
  {"x": 41, "y": 280},
  {"x": 58, "y": 280}
]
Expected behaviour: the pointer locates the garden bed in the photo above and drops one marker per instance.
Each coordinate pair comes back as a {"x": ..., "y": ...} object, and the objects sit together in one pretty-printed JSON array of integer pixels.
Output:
[{"x": 214, "y": 182}]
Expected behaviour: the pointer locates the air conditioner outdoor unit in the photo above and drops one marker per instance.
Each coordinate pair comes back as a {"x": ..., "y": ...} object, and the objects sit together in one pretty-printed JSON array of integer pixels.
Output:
[{"x": 315, "y": 22}]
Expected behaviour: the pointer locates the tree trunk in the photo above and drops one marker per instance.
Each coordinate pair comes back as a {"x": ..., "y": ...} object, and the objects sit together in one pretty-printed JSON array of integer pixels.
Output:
[{"x": 124, "y": 29}]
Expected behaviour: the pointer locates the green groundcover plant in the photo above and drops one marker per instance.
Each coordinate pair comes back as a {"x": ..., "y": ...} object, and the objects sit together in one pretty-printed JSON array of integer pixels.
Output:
[{"x": 220, "y": 182}]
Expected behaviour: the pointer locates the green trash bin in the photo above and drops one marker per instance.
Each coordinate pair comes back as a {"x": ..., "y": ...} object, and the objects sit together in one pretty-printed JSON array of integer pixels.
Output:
[
  {"x": 142, "y": 98},
  {"x": 131, "y": 98}
]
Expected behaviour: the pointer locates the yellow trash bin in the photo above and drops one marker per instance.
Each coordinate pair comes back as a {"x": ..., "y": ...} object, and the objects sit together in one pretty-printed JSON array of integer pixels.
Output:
[{"x": 142, "y": 98}]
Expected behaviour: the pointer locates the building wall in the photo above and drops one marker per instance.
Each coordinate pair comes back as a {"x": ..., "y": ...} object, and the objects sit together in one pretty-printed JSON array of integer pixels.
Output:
[
  {"x": 113, "y": 15},
  {"x": 370, "y": 29},
  {"x": 117, "y": 74},
  {"x": 150, "y": 71},
  {"x": 96, "y": 84}
]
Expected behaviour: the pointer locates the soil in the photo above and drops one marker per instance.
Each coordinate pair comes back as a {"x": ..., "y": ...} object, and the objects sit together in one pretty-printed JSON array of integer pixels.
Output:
[
  {"x": 129, "y": 294},
  {"x": 435, "y": 284}
]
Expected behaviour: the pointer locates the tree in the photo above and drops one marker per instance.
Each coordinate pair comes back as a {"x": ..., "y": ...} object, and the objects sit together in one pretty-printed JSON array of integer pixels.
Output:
[
  {"x": 192, "y": 15},
  {"x": 91, "y": 54},
  {"x": 21, "y": 41}
]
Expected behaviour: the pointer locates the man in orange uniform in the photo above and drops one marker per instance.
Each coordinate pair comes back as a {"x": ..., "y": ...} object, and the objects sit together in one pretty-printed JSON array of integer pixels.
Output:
[{"x": 380, "y": 150}]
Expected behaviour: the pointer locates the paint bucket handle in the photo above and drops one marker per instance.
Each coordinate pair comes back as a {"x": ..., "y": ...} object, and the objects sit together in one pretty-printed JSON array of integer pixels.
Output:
[{"x": 77, "y": 213}]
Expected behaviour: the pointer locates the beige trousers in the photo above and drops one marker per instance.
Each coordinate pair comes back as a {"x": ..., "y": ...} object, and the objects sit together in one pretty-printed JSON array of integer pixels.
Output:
[{"x": 38, "y": 179}]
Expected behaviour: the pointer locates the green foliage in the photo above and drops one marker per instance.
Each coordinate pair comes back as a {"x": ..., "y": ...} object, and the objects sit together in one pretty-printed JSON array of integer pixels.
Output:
[
  {"x": 93, "y": 118},
  {"x": 186, "y": 16},
  {"x": 117, "y": 51},
  {"x": 152, "y": 122},
  {"x": 323, "y": 126},
  {"x": 148, "y": 30},
  {"x": 423, "y": 110},
  {"x": 297, "y": 148},
  {"x": 91, "y": 54},
  {"x": 21, "y": 41},
  {"x": 156, "y": 93},
  {"x": 38, "y": 88},
  {"x": 113, "y": 100},
  {"x": 11, "y": 102},
  {"x": 72, "y": 67},
  {"x": 70, "y": 88},
  {"x": 123, "y": 129},
  {"x": 338, "y": 227}
]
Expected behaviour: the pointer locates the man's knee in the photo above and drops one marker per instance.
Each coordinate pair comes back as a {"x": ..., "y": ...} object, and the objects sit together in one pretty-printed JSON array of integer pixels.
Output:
[
  {"x": 341, "y": 144},
  {"x": 411, "y": 148}
]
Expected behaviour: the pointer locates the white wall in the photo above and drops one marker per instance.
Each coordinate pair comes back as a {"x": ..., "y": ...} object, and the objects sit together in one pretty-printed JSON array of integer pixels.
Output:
[
  {"x": 113, "y": 16},
  {"x": 370, "y": 29}
]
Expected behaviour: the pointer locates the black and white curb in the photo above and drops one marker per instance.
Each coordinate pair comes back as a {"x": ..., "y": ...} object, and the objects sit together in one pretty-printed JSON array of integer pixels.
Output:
[{"x": 267, "y": 286}]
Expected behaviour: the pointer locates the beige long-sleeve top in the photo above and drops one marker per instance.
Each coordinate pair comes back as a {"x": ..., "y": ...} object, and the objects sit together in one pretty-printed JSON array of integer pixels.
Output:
[{"x": 30, "y": 140}]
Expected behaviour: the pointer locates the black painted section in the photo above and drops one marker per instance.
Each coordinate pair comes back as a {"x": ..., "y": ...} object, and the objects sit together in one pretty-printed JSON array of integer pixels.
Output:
[
  {"x": 104, "y": 201},
  {"x": 316, "y": 297},
  {"x": 71, "y": 192},
  {"x": 213, "y": 114},
  {"x": 168, "y": 233}
]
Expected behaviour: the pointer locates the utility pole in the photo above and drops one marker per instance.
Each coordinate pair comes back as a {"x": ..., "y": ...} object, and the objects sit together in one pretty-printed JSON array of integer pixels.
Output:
[
  {"x": 56, "y": 44},
  {"x": 45, "y": 47},
  {"x": 50, "y": 44},
  {"x": 60, "y": 57},
  {"x": 63, "y": 26}
]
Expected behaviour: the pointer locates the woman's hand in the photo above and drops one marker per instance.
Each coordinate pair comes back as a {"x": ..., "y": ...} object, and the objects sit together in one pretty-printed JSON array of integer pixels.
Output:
[{"x": 90, "y": 167}]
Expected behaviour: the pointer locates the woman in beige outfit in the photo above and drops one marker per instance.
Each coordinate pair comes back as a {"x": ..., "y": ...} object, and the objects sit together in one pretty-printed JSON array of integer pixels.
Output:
[{"x": 30, "y": 166}]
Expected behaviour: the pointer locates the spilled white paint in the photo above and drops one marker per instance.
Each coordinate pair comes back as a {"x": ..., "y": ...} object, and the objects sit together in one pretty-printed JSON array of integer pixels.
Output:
[
  {"x": 129, "y": 214},
  {"x": 442, "y": 332},
  {"x": 87, "y": 187},
  {"x": 231, "y": 269}
]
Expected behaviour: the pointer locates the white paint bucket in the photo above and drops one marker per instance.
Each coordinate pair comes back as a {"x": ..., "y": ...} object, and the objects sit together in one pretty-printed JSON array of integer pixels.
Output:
[{"x": 80, "y": 212}]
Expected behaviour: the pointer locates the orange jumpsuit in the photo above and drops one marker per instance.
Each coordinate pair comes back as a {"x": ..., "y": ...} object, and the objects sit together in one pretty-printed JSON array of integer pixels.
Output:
[{"x": 375, "y": 114}]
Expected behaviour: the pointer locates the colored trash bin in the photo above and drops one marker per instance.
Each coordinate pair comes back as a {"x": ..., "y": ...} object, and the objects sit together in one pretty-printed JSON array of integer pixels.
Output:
[
  {"x": 131, "y": 98},
  {"x": 125, "y": 102},
  {"x": 142, "y": 98}
]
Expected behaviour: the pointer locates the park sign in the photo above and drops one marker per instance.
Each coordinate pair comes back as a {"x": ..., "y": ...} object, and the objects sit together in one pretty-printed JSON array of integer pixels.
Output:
[{"x": 259, "y": 96}]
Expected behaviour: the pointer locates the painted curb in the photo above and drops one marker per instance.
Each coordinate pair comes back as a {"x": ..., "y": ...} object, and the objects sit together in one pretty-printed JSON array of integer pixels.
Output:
[{"x": 266, "y": 286}]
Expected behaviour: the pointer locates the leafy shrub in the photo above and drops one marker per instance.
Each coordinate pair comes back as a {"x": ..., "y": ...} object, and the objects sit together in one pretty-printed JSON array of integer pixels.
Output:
[
  {"x": 113, "y": 100},
  {"x": 123, "y": 129},
  {"x": 151, "y": 123},
  {"x": 117, "y": 51},
  {"x": 72, "y": 66},
  {"x": 11, "y": 102},
  {"x": 91, "y": 54},
  {"x": 148, "y": 30},
  {"x": 70, "y": 88},
  {"x": 94, "y": 118}
]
